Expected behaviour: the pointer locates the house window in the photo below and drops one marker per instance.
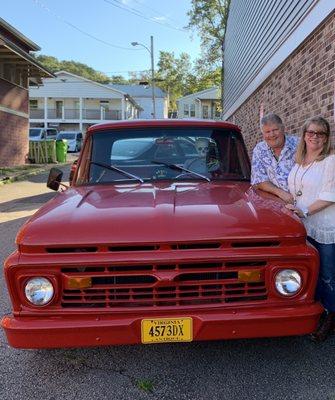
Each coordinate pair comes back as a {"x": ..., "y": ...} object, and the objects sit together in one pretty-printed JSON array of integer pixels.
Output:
[
  {"x": 59, "y": 109},
  {"x": 186, "y": 110},
  {"x": 205, "y": 112},
  {"x": 104, "y": 104},
  {"x": 33, "y": 104},
  {"x": 192, "y": 110}
]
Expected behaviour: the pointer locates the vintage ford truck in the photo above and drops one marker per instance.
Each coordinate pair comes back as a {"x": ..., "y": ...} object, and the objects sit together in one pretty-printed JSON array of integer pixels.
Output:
[{"x": 160, "y": 238}]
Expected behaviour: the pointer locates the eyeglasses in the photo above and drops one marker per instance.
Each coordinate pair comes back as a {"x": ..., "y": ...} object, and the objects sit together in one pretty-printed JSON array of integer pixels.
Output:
[{"x": 319, "y": 135}]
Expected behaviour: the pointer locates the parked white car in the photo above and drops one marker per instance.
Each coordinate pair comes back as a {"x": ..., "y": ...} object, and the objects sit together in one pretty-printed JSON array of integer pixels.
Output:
[
  {"x": 36, "y": 134},
  {"x": 74, "y": 139}
]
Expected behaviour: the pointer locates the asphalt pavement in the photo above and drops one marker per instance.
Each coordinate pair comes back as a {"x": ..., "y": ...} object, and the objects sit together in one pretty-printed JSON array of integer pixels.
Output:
[{"x": 279, "y": 368}]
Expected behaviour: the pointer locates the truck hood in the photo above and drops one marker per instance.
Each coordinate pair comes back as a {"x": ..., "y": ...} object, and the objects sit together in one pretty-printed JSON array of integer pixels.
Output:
[{"x": 162, "y": 212}]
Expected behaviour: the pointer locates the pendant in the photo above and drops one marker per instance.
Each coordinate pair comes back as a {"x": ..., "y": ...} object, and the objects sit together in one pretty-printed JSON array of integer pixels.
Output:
[{"x": 299, "y": 193}]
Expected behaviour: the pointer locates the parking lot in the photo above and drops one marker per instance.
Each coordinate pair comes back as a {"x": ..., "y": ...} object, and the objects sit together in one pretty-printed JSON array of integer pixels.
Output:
[{"x": 279, "y": 368}]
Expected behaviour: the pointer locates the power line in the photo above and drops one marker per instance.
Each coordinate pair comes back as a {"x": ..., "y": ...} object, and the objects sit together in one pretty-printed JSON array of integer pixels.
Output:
[
  {"x": 120, "y": 5},
  {"x": 155, "y": 11},
  {"x": 42, "y": 5}
]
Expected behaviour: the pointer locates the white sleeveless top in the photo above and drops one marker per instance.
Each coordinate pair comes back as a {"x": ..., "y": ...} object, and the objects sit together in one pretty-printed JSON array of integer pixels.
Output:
[{"x": 316, "y": 181}]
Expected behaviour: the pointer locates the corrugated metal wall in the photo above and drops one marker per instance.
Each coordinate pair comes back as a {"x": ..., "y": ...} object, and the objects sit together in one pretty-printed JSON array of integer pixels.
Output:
[{"x": 255, "y": 29}]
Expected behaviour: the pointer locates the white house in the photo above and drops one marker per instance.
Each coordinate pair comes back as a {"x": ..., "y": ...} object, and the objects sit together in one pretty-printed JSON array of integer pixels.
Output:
[
  {"x": 71, "y": 102},
  {"x": 204, "y": 104},
  {"x": 142, "y": 94}
]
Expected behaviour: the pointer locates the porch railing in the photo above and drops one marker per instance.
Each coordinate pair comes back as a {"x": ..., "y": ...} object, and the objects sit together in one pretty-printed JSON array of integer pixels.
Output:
[
  {"x": 36, "y": 113},
  {"x": 74, "y": 114}
]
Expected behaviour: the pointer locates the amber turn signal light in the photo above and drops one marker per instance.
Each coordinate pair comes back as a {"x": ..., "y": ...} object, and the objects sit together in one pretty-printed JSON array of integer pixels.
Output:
[
  {"x": 250, "y": 276},
  {"x": 78, "y": 282}
]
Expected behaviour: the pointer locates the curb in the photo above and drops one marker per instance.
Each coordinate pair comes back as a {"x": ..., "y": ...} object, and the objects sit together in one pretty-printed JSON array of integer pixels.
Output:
[{"x": 21, "y": 176}]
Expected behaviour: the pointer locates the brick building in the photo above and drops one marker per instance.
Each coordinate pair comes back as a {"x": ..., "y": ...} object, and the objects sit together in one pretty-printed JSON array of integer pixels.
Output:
[
  {"x": 279, "y": 57},
  {"x": 18, "y": 70}
]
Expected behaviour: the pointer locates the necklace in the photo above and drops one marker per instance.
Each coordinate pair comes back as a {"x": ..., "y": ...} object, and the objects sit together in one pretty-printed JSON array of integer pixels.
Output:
[{"x": 298, "y": 193}]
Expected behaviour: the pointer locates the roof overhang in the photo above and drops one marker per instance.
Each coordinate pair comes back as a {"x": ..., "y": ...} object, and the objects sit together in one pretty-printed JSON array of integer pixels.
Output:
[{"x": 11, "y": 53}]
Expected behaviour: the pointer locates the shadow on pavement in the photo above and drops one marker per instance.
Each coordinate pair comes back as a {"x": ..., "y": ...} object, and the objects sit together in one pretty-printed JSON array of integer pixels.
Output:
[
  {"x": 26, "y": 203},
  {"x": 43, "y": 176}
]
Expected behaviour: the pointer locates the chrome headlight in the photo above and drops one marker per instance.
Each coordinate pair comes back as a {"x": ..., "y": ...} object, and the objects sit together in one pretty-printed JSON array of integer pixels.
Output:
[
  {"x": 39, "y": 291},
  {"x": 288, "y": 282}
]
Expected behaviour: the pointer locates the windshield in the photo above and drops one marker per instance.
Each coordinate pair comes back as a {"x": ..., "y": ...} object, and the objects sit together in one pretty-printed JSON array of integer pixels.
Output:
[
  {"x": 166, "y": 154},
  {"x": 34, "y": 132},
  {"x": 66, "y": 135}
]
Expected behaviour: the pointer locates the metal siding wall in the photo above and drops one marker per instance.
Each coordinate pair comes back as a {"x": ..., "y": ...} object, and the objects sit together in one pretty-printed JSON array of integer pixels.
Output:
[
  {"x": 73, "y": 87},
  {"x": 255, "y": 28}
]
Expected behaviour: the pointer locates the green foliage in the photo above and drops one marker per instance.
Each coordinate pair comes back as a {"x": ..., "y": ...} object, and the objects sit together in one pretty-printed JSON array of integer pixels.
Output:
[
  {"x": 54, "y": 65},
  {"x": 145, "y": 385},
  {"x": 177, "y": 77},
  {"x": 119, "y": 79},
  {"x": 174, "y": 74},
  {"x": 209, "y": 18}
]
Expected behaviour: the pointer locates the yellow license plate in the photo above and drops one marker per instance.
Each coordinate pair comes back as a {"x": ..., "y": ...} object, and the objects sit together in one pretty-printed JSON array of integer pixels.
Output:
[{"x": 159, "y": 330}]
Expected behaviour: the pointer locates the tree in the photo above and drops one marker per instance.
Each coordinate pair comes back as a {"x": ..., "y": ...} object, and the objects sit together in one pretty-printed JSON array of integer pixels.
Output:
[
  {"x": 119, "y": 79},
  {"x": 206, "y": 77},
  {"x": 173, "y": 75},
  {"x": 209, "y": 18},
  {"x": 54, "y": 65}
]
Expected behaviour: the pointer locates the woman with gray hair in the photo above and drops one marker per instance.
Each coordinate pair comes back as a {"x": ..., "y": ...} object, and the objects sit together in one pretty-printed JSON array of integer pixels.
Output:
[{"x": 312, "y": 185}]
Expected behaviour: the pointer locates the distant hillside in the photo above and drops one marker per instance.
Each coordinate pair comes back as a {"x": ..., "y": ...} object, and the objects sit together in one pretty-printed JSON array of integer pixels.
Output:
[{"x": 54, "y": 65}]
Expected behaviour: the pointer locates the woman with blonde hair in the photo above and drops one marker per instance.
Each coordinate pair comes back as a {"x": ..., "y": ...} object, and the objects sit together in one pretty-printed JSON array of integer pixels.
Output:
[{"x": 312, "y": 185}]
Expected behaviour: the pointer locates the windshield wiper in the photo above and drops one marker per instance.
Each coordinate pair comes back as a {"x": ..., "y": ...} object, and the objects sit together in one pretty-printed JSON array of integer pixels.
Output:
[
  {"x": 114, "y": 168},
  {"x": 179, "y": 168}
]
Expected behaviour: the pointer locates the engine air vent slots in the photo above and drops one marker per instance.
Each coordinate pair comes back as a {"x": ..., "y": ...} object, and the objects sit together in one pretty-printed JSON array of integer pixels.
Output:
[
  {"x": 194, "y": 246},
  {"x": 273, "y": 243},
  {"x": 134, "y": 248},
  {"x": 71, "y": 249}
]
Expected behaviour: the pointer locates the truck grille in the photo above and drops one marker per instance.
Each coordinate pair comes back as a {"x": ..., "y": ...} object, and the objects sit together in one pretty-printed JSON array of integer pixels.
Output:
[{"x": 163, "y": 285}]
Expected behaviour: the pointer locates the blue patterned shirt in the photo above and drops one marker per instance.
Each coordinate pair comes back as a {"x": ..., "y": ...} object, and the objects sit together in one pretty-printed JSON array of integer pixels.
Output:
[{"x": 265, "y": 167}]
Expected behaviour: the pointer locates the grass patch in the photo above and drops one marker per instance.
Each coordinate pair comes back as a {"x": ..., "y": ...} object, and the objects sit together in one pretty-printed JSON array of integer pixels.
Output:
[
  {"x": 18, "y": 169},
  {"x": 146, "y": 385}
]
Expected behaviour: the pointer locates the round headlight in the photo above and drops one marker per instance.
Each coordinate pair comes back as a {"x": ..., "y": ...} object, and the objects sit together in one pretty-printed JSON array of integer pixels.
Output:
[
  {"x": 39, "y": 291},
  {"x": 288, "y": 282}
]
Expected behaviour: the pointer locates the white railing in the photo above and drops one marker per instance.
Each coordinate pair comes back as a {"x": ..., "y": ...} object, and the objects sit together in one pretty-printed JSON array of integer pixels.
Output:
[{"x": 98, "y": 114}]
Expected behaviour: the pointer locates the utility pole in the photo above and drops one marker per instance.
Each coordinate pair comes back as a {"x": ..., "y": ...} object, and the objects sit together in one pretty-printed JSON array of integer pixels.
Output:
[
  {"x": 151, "y": 52},
  {"x": 153, "y": 77}
]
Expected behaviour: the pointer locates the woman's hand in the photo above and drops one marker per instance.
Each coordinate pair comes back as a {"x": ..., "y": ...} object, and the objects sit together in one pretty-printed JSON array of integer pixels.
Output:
[
  {"x": 295, "y": 209},
  {"x": 286, "y": 196}
]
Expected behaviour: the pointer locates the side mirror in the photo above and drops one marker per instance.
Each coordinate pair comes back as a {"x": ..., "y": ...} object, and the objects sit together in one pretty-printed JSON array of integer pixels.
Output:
[{"x": 54, "y": 179}]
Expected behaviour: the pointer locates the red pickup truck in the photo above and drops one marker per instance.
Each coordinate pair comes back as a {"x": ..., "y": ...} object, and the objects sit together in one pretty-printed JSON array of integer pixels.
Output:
[{"x": 160, "y": 238}]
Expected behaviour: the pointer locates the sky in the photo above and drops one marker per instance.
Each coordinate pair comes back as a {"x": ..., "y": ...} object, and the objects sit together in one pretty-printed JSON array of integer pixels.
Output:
[{"x": 86, "y": 30}]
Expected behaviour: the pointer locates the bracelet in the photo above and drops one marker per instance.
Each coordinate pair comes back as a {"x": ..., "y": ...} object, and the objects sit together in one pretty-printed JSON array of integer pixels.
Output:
[{"x": 305, "y": 212}]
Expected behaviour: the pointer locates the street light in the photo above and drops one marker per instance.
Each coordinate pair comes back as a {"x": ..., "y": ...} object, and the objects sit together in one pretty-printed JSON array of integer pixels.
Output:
[{"x": 151, "y": 52}]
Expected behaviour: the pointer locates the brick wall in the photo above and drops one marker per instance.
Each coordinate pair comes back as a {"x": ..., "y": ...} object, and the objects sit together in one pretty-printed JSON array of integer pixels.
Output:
[
  {"x": 303, "y": 86},
  {"x": 13, "y": 128}
]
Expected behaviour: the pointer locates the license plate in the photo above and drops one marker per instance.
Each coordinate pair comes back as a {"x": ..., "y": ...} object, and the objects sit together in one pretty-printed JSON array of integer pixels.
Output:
[{"x": 158, "y": 330}]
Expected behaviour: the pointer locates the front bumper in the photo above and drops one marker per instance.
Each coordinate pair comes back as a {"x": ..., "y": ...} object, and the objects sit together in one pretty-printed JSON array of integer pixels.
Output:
[{"x": 103, "y": 329}]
